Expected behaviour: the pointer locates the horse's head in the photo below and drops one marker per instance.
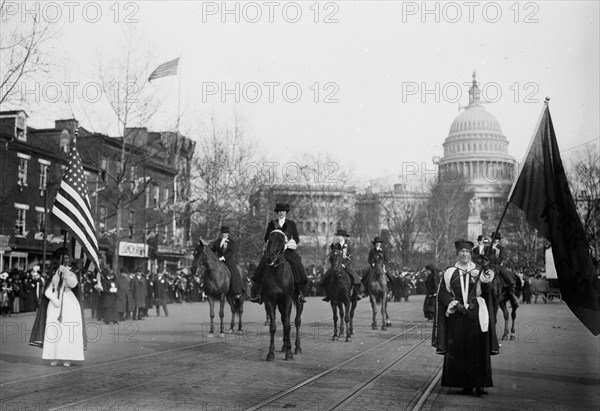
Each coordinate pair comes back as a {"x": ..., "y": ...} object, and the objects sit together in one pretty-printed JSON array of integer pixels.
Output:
[
  {"x": 378, "y": 261},
  {"x": 275, "y": 247},
  {"x": 337, "y": 257},
  {"x": 199, "y": 255}
]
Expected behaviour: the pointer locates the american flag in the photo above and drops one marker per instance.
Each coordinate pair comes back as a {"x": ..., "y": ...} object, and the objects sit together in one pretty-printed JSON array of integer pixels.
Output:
[
  {"x": 72, "y": 206},
  {"x": 166, "y": 69}
]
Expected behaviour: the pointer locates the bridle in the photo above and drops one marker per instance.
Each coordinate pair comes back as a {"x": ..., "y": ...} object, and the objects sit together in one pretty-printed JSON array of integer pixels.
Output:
[{"x": 277, "y": 260}]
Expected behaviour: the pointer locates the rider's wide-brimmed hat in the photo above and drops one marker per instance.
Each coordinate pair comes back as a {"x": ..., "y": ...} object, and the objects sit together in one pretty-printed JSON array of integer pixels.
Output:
[
  {"x": 282, "y": 207},
  {"x": 342, "y": 232},
  {"x": 378, "y": 240},
  {"x": 225, "y": 229},
  {"x": 498, "y": 236}
]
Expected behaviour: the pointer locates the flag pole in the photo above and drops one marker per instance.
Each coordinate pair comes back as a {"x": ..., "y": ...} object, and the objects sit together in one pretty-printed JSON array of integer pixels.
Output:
[
  {"x": 179, "y": 96},
  {"x": 546, "y": 101}
]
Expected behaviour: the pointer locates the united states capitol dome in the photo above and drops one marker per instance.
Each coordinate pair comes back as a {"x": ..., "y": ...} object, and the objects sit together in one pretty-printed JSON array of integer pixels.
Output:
[{"x": 475, "y": 149}]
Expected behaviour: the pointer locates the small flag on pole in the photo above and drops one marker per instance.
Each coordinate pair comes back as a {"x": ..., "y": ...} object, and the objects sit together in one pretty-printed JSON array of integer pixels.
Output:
[
  {"x": 72, "y": 206},
  {"x": 543, "y": 193},
  {"x": 166, "y": 69}
]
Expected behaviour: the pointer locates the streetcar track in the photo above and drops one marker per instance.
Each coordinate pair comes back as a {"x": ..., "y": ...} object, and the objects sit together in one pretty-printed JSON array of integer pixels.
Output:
[
  {"x": 334, "y": 368},
  {"x": 88, "y": 368},
  {"x": 325, "y": 321}
]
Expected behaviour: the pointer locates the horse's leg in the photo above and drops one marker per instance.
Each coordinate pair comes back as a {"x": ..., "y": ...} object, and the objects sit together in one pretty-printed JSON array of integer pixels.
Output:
[
  {"x": 240, "y": 307},
  {"x": 505, "y": 315},
  {"x": 221, "y": 316},
  {"x": 347, "y": 319},
  {"x": 383, "y": 316},
  {"x": 211, "y": 305},
  {"x": 298, "y": 322},
  {"x": 270, "y": 309},
  {"x": 231, "y": 302},
  {"x": 335, "y": 319},
  {"x": 386, "y": 317},
  {"x": 352, "y": 308},
  {"x": 513, "y": 316},
  {"x": 374, "y": 310},
  {"x": 285, "y": 309},
  {"x": 342, "y": 318}
]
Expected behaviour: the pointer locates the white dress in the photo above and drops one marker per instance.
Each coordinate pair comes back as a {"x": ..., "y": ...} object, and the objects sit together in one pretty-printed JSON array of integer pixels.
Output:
[{"x": 63, "y": 340}]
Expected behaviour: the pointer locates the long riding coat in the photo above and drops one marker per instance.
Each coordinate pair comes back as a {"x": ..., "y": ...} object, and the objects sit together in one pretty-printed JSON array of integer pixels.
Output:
[{"x": 227, "y": 249}]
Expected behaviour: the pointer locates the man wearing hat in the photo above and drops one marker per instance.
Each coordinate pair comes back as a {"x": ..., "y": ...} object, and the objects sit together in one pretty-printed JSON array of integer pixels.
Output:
[
  {"x": 496, "y": 254},
  {"x": 291, "y": 231},
  {"x": 225, "y": 249},
  {"x": 479, "y": 249},
  {"x": 341, "y": 238}
]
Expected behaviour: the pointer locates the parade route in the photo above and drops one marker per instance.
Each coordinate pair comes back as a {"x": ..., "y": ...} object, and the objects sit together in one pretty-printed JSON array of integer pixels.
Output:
[{"x": 171, "y": 363}]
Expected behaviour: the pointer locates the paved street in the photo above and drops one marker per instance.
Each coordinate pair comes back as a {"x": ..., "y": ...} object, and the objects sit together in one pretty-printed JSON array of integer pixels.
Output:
[{"x": 171, "y": 363}]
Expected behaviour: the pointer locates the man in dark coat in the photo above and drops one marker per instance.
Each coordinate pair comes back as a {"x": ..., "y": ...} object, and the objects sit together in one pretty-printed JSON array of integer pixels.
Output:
[
  {"x": 341, "y": 238},
  {"x": 291, "y": 231},
  {"x": 124, "y": 298},
  {"x": 479, "y": 249},
  {"x": 225, "y": 249},
  {"x": 161, "y": 287},
  {"x": 138, "y": 292}
]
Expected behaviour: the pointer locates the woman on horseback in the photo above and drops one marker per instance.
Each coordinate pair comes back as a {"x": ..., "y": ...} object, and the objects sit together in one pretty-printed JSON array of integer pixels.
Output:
[
  {"x": 225, "y": 248},
  {"x": 377, "y": 252},
  {"x": 291, "y": 231},
  {"x": 341, "y": 237}
]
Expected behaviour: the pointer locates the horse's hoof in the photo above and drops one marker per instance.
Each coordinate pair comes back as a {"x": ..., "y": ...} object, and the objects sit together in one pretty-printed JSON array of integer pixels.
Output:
[
  {"x": 211, "y": 335},
  {"x": 221, "y": 335},
  {"x": 373, "y": 327},
  {"x": 348, "y": 339},
  {"x": 298, "y": 351},
  {"x": 388, "y": 324},
  {"x": 335, "y": 338},
  {"x": 504, "y": 338},
  {"x": 289, "y": 356},
  {"x": 512, "y": 337},
  {"x": 230, "y": 331},
  {"x": 266, "y": 323},
  {"x": 384, "y": 328},
  {"x": 270, "y": 356}
]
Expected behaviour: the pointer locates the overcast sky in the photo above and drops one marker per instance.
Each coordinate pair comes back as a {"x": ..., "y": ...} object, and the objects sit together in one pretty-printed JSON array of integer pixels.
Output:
[{"x": 373, "y": 61}]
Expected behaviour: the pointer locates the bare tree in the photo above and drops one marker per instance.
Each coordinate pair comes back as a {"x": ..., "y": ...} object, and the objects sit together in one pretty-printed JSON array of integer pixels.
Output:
[
  {"x": 403, "y": 215},
  {"x": 226, "y": 172},
  {"x": 123, "y": 79},
  {"x": 584, "y": 180},
  {"x": 445, "y": 212},
  {"x": 21, "y": 51}
]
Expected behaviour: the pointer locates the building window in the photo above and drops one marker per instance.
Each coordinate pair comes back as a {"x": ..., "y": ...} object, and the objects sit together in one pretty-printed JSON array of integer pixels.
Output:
[
  {"x": 166, "y": 199},
  {"x": 147, "y": 196},
  {"x": 41, "y": 219},
  {"x": 166, "y": 234},
  {"x": 20, "y": 223},
  {"x": 156, "y": 196},
  {"x": 44, "y": 164},
  {"x": 102, "y": 218},
  {"x": 103, "y": 167},
  {"x": 131, "y": 223},
  {"x": 308, "y": 227},
  {"x": 22, "y": 171}
]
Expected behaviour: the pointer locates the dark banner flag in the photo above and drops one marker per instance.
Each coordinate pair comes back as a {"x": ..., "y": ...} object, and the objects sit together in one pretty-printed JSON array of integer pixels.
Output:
[
  {"x": 72, "y": 206},
  {"x": 542, "y": 192}
]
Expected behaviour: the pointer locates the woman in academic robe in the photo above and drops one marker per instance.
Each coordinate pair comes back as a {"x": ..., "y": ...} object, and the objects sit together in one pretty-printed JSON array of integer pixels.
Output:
[{"x": 462, "y": 323}]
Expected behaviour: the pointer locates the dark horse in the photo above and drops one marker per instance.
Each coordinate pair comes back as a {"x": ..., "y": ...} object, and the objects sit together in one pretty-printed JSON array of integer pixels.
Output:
[
  {"x": 341, "y": 298},
  {"x": 216, "y": 286},
  {"x": 502, "y": 293},
  {"x": 378, "y": 290},
  {"x": 278, "y": 293}
]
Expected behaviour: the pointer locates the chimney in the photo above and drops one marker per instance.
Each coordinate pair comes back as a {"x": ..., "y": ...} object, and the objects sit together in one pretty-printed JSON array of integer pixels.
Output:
[{"x": 69, "y": 124}]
